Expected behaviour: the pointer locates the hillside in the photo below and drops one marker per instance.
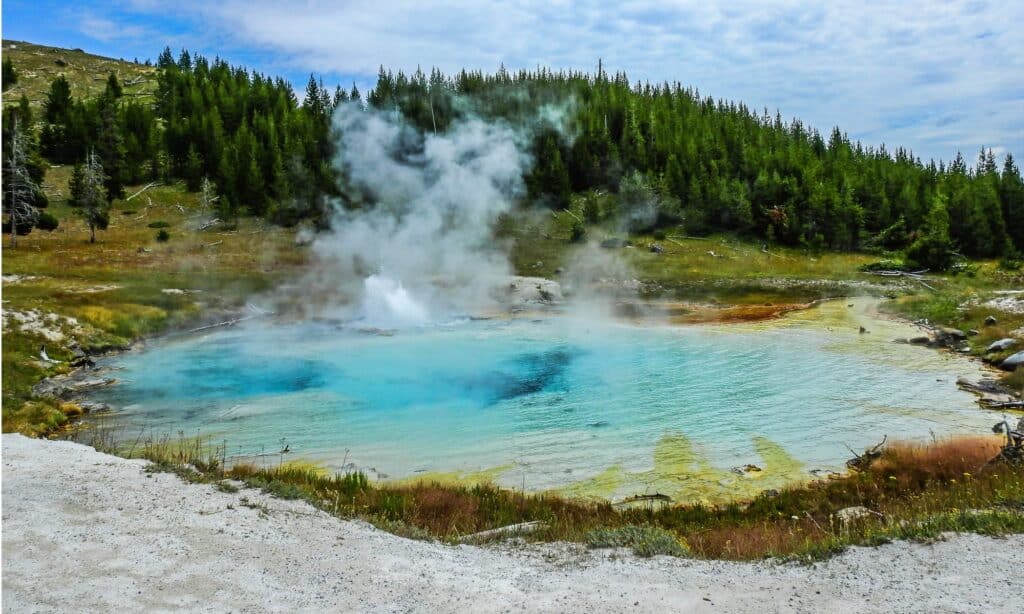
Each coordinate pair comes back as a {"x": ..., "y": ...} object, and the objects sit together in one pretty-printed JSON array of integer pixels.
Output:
[
  {"x": 745, "y": 207},
  {"x": 38, "y": 65}
]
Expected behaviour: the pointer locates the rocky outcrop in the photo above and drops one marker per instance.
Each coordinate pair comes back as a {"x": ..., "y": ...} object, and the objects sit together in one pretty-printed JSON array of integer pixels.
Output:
[
  {"x": 64, "y": 387},
  {"x": 527, "y": 292}
]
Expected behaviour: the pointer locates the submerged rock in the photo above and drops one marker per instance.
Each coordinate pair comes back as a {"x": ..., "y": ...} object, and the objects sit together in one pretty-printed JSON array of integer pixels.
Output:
[
  {"x": 983, "y": 386},
  {"x": 745, "y": 469}
]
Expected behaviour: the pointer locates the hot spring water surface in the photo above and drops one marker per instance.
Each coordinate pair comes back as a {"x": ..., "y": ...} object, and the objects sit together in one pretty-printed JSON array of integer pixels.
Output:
[{"x": 605, "y": 410}]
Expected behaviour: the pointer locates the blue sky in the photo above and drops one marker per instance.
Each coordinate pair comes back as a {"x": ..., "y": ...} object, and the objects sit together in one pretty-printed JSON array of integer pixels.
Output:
[{"x": 937, "y": 77}]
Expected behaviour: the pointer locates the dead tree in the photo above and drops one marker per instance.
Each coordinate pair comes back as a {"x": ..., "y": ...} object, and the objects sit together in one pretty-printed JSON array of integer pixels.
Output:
[
  {"x": 1013, "y": 450},
  {"x": 19, "y": 190},
  {"x": 860, "y": 462}
]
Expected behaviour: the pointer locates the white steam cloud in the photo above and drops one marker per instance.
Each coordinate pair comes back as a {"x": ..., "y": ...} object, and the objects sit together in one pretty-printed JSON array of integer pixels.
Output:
[{"x": 419, "y": 246}]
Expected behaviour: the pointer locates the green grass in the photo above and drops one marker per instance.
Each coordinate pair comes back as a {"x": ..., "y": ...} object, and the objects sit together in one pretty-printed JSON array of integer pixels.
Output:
[
  {"x": 87, "y": 74},
  {"x": 645, "y": 541}
]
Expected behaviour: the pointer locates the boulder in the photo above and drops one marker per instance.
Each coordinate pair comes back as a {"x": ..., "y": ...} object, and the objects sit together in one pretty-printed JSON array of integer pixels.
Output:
[
  {"x": 991, "y": 321},
  {"x": 850, "y": 514},
  {"x": 523, "y": 292},
  {"x": 1001, "y": 346},
  {"x": 656, "y": 249},
  {"x": 950, "y": 333},
  {"x": 919, "y": 340},
  {"x": 1013, "y": 362},
  {"x": 944, "y": 336}
]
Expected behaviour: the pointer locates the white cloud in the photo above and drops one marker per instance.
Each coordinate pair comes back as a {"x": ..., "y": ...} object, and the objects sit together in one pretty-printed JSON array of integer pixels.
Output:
[{"x": 934, "y": 76}]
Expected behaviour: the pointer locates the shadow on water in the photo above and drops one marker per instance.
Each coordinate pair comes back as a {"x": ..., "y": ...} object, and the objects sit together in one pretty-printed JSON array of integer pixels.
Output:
[{"x": 525, "y": 375}]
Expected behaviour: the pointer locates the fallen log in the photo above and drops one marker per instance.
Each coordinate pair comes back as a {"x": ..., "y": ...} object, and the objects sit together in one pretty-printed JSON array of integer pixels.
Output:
[
  {"x": 645, "y": 498},
  {"x": 512, "y": 529},
  {"x": 150, "y": 185},
  {"x": 224, "y": 323}
]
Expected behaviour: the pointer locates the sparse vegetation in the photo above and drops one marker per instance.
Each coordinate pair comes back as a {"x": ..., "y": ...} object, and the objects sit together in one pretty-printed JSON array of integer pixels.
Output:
[{"x": 913, "y": 491}]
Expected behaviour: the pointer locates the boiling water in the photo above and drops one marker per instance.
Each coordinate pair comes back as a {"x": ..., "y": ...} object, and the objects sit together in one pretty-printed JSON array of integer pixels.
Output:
[{"x": 555, "y": 403}]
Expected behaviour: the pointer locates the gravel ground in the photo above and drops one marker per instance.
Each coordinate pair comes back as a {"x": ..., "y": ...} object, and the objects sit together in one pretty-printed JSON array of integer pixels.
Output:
[{"x": 84, "y": 531}]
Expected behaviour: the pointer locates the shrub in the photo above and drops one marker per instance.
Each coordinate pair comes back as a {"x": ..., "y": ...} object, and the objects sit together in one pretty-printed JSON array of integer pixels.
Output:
[
  {"x": 47, "y": 221},
  {"x": 163, "y": 236},
  {"x": 645, "y": 541},
  {"x": 578, "y": 232}
]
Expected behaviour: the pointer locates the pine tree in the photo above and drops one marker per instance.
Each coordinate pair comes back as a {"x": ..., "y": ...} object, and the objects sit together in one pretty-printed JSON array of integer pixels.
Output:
[
  {"x": 10, "y": 76},
  {"x": 933, "y": 249},
  {"x": 193, "y": 170},
  {"x": 88, "y": 194},
  {"x": 110, "y": 149},
  {"x": 58, "y": 101},
  {"x": 113, "y": 88},
  {"x": 1011, "y": 196}
]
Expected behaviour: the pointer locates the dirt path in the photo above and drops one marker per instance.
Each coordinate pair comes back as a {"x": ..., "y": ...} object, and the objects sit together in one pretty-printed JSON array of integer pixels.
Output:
[{"x": 84, "y": 531}]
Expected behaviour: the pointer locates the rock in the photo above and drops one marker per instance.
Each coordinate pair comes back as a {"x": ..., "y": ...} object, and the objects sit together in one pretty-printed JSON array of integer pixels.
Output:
[
  {"x": 66, "y": 386},
  {"x": 60, "y": 62},
  {"x": 1013, "y": 362},
  {"x": 951, "y": 333},
  {"x": 863, "y": 330},
  {"x": 901, "y": 340},
  {"x": 1001, "y": 346},
  {"x": 944, "y": 336},
  {"x": 523, "y": 292},
  {"x": 656, "y": 249},
  {"x": 991, "y": 321},
  {"x": 920, "y": 340},
  {"x": 746, "y": 469},
  {"x": 614, "y": 243},
  {"x": 850, "y": 514},
  {"x": 83, "y": 362},
  {"x": 982, "y": 386},
  {"x": 93, "y": 406},
  {"x": 973, "y": 332}
]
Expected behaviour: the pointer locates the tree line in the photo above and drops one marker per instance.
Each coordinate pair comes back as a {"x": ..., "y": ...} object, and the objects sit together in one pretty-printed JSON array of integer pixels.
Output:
[{"x": 671, "y": 156}]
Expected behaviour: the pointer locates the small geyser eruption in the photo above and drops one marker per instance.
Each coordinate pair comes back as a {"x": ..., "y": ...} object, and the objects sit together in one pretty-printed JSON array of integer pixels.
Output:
[
  {"x": 387, "y": 304},
  {"x": 416, "y": 245}
]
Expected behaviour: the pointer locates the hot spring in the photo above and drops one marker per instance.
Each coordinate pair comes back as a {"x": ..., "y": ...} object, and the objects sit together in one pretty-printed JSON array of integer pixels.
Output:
[{"x": 604, "y": 409}]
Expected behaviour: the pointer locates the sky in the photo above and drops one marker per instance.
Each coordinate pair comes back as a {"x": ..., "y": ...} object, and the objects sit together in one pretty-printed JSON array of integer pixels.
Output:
[{"x": 934, "y": 77}]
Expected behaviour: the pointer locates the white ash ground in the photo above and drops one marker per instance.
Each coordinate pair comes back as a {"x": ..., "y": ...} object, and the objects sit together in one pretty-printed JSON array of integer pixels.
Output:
[{"x": 84, "y": 531}]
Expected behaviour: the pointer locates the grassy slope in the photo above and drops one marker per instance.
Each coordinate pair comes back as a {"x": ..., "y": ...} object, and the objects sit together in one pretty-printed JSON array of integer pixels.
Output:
[
  {"x": 37, "y": 66},
  {"x": 114, "y": 289}
]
